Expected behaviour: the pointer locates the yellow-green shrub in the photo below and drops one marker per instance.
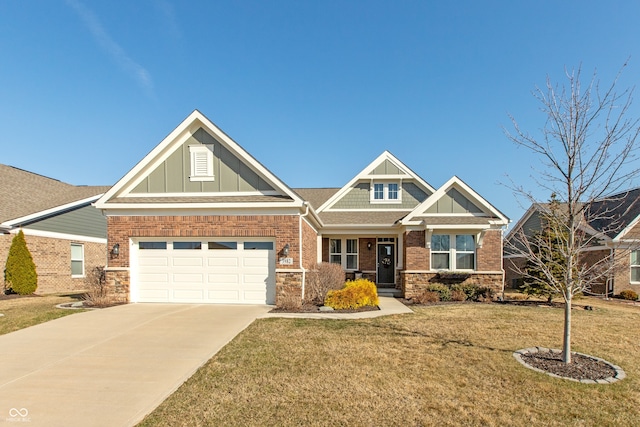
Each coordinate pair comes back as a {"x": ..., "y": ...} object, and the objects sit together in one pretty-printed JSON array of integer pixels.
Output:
[{"x": 354, "y": 294}]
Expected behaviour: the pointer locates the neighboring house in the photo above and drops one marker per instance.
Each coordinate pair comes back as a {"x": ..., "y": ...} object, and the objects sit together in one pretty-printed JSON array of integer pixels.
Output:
[
  {"x": 200, "y": 220},
  {"x": 615, "y": 234},
  {"x": 64, "y": 233}
]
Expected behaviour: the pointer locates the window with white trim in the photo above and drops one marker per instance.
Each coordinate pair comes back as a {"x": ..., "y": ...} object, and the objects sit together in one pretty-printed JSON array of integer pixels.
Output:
[
  {"x": 344, "y": 252},
  {"x": 335, "y": 251},
  {"x": 392, "y": 191},
  {"x": 352, "y": 254},
  {"x": 77, "y": 260},
  {"x": 387, "y": 192},
  {"x": 453, "y": 252},
  {"x": 440, "y": 252},
  {"x": 635, "y": 266},
  {"x": 201, "y": 162}
]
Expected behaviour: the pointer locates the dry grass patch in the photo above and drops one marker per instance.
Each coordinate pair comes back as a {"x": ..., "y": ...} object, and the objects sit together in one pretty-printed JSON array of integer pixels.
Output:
[
  {"x": 23, "y": 312},
  {"x": 443, "y": 365}
]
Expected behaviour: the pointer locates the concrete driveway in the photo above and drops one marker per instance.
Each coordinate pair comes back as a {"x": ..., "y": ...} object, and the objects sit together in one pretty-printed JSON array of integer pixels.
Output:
[{"x": 110, "y": 367}]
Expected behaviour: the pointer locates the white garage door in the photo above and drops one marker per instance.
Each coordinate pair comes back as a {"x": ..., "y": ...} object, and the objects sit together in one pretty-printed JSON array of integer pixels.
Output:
[{"x": 207, "y": 271}]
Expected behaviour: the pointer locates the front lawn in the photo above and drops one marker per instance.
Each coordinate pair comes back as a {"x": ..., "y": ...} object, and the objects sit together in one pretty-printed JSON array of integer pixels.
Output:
[
  {"x": 22, "y": 312},
  {"x": 443, "y": 365}
]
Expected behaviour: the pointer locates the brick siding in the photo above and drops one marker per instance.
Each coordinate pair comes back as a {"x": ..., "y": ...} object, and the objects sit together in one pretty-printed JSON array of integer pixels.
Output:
[
  {"x": 52, "y": 258},
  {"x": 283, "y": 228},
  {"x": 416, "y": 255},
  {"x": 489, "y": 256},
  {"x": 309, "y": 245}
]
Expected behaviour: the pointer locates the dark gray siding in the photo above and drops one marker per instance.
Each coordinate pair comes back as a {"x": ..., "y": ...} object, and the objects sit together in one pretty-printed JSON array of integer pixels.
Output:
[{"x": 83, "y": 221}]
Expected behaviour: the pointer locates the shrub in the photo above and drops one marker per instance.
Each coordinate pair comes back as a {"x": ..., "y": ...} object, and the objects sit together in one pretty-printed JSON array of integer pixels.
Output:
[
  {"x": 320, "y": 279},
  {"x": 484, "y": 294},
  {"x": 425, "y": 297},
  {"x": 458, "y": 295},
  {"x": 290, "y": 302},
  {"x": 470, "y": 290},
  {"x": 443, "y": 291},
  {"x": 97, "y": 294},
  {"x": 20, "y": 273},
  {"x": 354, "y": 294},
  {"x": 628, "y": 294}
]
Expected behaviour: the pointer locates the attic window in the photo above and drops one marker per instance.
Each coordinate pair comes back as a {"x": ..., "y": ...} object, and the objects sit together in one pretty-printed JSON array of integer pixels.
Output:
[
  {"x": 385, "y": 192},
  {"x": 201, "y": 162}
]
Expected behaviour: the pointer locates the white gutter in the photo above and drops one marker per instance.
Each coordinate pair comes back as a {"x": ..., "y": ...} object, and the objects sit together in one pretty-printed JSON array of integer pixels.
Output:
[
  {"x": 47, "y": 212},
  {"x": 304, "y": 272}
]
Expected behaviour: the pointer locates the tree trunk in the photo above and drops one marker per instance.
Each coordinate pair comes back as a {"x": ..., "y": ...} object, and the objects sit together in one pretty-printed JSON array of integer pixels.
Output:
[{"x": 566, "y": 342}]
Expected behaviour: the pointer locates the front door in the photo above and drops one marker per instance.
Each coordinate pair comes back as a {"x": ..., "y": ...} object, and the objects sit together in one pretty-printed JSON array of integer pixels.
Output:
[{"x": 386, "y": 263}]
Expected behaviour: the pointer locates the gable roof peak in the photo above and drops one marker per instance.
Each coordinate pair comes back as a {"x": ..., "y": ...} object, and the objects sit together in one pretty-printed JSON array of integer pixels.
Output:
[
  {"x": 467, "y": 192},
  {"x": 367, "y": 174},
  {"x": 195, "y": 121}
]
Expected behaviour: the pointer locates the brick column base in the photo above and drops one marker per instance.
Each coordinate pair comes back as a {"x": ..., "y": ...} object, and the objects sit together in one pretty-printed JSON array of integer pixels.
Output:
[{"x": 117, "y": 282}]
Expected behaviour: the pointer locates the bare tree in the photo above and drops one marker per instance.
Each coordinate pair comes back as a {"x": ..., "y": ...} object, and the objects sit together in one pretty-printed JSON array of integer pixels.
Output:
[{"x": 586, "y": 148}]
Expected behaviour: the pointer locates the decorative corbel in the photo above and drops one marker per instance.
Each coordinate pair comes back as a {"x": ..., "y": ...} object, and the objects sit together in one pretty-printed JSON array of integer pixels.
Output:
[
  {"x": 480, "y": 238},
  {"x": 427, "y": 237}
]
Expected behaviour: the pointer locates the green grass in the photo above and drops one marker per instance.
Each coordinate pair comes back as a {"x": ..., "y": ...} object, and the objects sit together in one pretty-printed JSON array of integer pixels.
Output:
[
  {"x": 23, "y": 312},
  {"x": 443, "y": 365}
]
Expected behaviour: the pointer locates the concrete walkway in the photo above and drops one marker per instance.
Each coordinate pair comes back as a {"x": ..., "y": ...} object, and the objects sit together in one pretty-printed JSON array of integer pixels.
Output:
[
  {"x": 388, "y": 305},
  {"x": 110, "y": 367}
]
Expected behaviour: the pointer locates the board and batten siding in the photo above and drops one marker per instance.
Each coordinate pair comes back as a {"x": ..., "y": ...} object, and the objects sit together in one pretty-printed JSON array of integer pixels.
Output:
[
  {"x": 387, "y": 168},
  {"x": 453, "y": 203},
  {"x": 230, "y": 173},
  {"x": 359, "y": 198},
  {"x": 84, "y": 221}
]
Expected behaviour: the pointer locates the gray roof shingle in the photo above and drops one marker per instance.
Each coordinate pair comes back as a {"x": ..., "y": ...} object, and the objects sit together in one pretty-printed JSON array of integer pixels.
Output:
[
  {"x": 24, "y": 193},
  {"x": 316, "y": 196},
  {"x": 386, "y": 218}
]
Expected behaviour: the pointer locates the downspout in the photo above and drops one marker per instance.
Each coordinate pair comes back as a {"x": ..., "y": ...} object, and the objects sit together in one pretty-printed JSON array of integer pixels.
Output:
[{"x": 306, "y": 204}]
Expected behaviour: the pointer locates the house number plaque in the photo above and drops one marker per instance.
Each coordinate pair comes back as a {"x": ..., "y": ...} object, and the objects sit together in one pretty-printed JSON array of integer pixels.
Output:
[{"x": 286, "y": 261}]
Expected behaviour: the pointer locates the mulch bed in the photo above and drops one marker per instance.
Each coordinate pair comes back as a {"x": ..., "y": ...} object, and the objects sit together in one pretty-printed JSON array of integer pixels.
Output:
[
  {"x": 524, "y": 303},
  {"x": 4, "y": 296},
  {"x": 581, "y": 367},
  {"x": 310, "y": 308}
]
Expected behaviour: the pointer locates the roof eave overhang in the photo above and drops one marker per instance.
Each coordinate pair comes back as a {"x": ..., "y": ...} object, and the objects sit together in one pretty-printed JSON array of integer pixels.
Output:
[
  {"x": 360, "y": 226},
  {"x": 308, "y": 209},
  {"x": 171, "y": 206},
  {"x": 48, "y": 212}
]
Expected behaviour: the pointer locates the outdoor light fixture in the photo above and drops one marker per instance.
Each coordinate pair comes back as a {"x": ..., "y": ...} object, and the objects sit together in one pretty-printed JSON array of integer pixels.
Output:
[
  {"x": 369, "y": 245},
  {"x": 285, "y": 250},
  {"x": 116, "y": 249}
]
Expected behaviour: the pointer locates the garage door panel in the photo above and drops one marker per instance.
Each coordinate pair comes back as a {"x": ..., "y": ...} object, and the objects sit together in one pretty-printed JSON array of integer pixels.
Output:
[
  {"x": 223, "y": 261},
  {"x": 252, "y": 279},
  {"x": 223, "y": 279},
  {"x": 161, "y": 261},
  {"x": 188, "y": 278},
  {"x": 188, "y": 295},
  {"x": 254, "y": 296},
  {"x": 187, "y": 262},
  {"x": 154, "y": 278}
]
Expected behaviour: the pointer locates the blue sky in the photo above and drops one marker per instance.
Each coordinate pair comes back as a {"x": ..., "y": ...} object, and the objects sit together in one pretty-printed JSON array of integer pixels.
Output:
[{"x": 315, "y": 90}]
